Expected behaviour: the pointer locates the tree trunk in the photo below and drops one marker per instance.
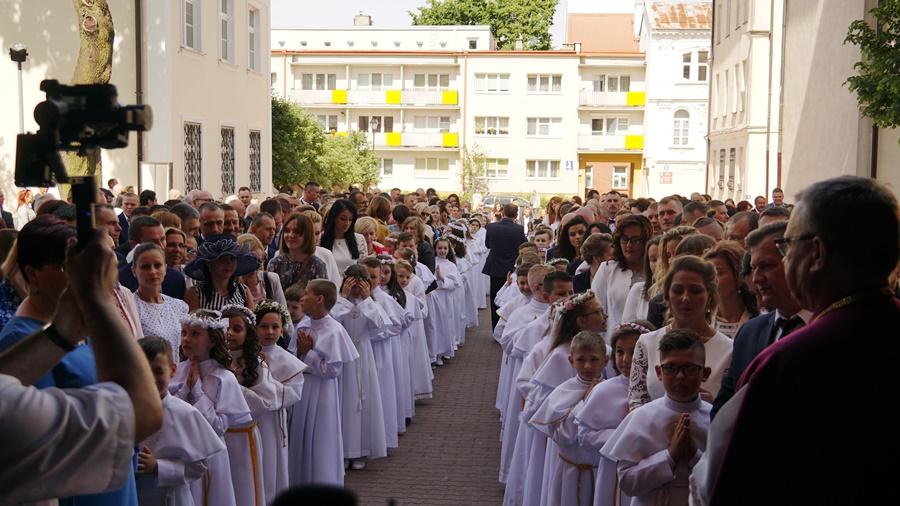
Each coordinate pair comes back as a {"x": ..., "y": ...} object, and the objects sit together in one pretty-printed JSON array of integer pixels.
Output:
[{"x": 94, "y": 66}]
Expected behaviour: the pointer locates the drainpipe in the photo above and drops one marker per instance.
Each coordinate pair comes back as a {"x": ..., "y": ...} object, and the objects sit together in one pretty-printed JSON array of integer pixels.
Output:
[
  {"x": 873, "y": 164},
  {"x": 712, "y": 56},
  {"x": 139, "y": 79}
]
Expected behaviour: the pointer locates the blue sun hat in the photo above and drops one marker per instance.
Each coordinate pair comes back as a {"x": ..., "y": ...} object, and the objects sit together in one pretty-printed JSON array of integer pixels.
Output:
[{"x": 219, "y": 246}]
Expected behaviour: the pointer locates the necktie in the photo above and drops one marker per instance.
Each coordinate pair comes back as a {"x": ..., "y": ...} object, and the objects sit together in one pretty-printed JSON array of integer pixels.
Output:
[{"x": 788, "y": 325}]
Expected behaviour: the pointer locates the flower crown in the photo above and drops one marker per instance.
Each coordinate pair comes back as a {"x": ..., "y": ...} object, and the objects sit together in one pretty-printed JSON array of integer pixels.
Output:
[
  {"x": 243, "y": 309},
  {"x": 453, "y": 238},
  {"x": 391, "y": 239},
  {"x": 386, "y": 261},
  {"x": 574, "y": 301},
  {"x": 459, "y": 227},
  {"x": 268, "y": 306},
  {"x": 206, "y": 322},
  {"x": 557, "y": 261},
  {"x": 631, "y": 325}
]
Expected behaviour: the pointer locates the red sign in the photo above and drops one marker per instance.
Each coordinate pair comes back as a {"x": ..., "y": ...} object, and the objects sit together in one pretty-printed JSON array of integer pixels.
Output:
[{"x": 665, "y": 177}]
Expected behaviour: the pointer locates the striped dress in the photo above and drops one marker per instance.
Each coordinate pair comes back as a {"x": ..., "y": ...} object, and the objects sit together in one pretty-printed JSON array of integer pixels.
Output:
[{"x": 216, "y": 302}]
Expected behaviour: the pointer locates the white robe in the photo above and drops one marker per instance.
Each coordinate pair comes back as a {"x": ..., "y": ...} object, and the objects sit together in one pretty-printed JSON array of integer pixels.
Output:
[
  {"x": 468, "y": 303},
  {"x": 316, "y": 444},
  {"x": 636, "y": 307},
  {"x": 504, "y": 313},
  {"x": 217, "y": 396},
  {"x": 362, "y": 405},
  {"x": 640, "y": 445},
  {"x": 182, "y": 448},
  {"x": 612, "y": 285},
  {"x": 603, "y": 411},
  {"x": 507, "y": 291},
  {"x": 421, "y": 375},
  {"x": 480, "y": 285},
  {"x": 287, "y": 370},
  {"x": 442, "y": 308},
  {"x": 645, "y": 386},
  {"x": 572, "y": 481},
  {"x": 396, "y": 343}
]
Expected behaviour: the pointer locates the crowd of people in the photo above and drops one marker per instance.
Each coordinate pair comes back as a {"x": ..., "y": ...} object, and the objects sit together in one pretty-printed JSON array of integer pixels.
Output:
[{"x": 289, "y": 338}]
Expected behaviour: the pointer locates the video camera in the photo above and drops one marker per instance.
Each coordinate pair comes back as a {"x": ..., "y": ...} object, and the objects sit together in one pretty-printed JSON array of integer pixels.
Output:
[{"x": 76, "y": 118}]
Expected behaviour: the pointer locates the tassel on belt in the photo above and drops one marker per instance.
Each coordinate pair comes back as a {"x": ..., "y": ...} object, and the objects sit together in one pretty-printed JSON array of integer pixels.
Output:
[
  {"x": 249, "y": 431},
  {"x": 581, "y": 469}
]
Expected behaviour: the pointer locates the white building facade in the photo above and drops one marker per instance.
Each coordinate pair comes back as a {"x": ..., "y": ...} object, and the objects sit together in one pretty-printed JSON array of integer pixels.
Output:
[
  {"x": 204, "y": 70},
  {"x": 676, "y": 39}
]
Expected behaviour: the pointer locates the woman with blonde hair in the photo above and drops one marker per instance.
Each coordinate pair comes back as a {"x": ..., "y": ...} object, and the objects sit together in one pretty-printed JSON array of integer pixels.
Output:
[
  {"x": 24, "y": 212},
  {"x": 553, "y": 215},
  {"x": 167, "y": 219},
  {"x": 261, "y": 283},
  {"x": 368, "y": 228},
  {"x": 737, "y": 303}
]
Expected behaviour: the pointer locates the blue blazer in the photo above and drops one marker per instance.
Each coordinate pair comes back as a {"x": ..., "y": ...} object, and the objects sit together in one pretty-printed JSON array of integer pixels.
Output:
[
  {"x": 173, "y": 284},
  {"x": 502, "y": 239},
  {"x": 753, "y": 337},
  {"x": 123, "y": 222}
]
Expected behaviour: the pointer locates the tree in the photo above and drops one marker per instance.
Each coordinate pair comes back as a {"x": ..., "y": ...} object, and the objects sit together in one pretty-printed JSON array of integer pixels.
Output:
[
  {"x": 509, "y": 20},
  {"x": 94, "y": 66},
  {"x": 348, "y": 160},
  {"x": 473, "y": 170},
  {"x": 877, "y": 86},
  {"x": 297, "y": 144}
]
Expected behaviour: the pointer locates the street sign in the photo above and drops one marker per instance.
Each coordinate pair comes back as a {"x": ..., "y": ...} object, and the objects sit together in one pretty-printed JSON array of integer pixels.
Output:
[{"x": 570, "y": 165}]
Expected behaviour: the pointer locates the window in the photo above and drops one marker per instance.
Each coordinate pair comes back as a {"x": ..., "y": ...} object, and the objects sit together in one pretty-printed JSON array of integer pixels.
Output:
[
  {"x": 192, "y": 157},
  {"x": 431, "y": 124},
  {"x": 327, "y": 44},
  {"x": 385, "y": 123},
  {"x": 318, "y": 82},
  {"x": 609, "y": 126},
  {"x": 349, "y": 43},
  {"x": 226, "y": 29},
  {"x": 496, "y": 168},
  {"x": 190, "y": 29},
  {"x": 695, "y": 65},
  {"x": 588, "y": 177},
  {"x": 491, "y": 125},
  {"x": 443, "y": 45},
  {"x": 419, "y": 44},
  {"x": 620, "y": 177},
  {"x": 253, "y": 39},
  {"x": 255, "y": 160},
  {"x": 496, "y": 83},
  {"x": 473, "y": 43},
  {"x": 544, "y": 127},
  {"x": 328, "y": 122},
  {"x": 731, "y": 162},
  {"x": 431, "y": 82},
  {"x": 432, "y": 167},
  {"x": 387, "y": 166},
  {"x": 682, "y": 128},
  {"x": 613, "y": 84},
  {"x": 273, "y": 77},
  {"x": 544, "y": 83},
  {"x": 226, "y": 153},
  {"x": 542, "y": 169},
  {"x": 727, "y": 17},
  {"x": 721, "y": 168},
  {"x": 374, "y": 81},
  {"x": 396, "y": 43}
]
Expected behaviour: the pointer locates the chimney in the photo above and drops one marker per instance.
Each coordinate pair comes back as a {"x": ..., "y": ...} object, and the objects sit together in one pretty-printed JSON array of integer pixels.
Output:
[
  {"x": 519, "y": 45},
  {"x": 362, "y": 19}
]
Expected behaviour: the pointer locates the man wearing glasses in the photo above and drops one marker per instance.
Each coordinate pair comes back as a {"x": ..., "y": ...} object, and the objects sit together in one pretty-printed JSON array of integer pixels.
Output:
[{"x": 793, "y": 402}]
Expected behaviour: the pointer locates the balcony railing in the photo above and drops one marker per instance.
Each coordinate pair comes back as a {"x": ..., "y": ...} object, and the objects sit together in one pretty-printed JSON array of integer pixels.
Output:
[
  {"x": 589, "y": 142},
  {"x": 611, "y": 99},
  {"x": 416, "y": 140},
  {"x": 376, "y": 97}
]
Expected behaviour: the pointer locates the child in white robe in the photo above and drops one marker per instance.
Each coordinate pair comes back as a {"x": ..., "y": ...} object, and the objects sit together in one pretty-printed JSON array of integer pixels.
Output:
[
  {"x": 526, "y": 296},
  {"x": 605, "y": 408},
  {"x": 178, "y": 453},
  {"x": 444, "y": 310},
  {"x": 205, "y": 380},
  {"x": 658, "y": 444},
  {"x": 572, "y": 482},
  {"x": 287, "y": 371},
  {"x": 362, "y": 408},
  {"x": 316, "y": 444},
  {"x": 261, "y": 391},
  {"x": 421, "y": 375}
]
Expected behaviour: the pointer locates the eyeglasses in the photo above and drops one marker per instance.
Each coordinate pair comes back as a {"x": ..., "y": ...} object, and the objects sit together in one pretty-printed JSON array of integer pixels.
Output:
[
  {"x": 601, "y": 311},
  {"x": 687, "y": 370},
  {"x": 633, "y": 240},
  {"x": 784, "y": 244}
]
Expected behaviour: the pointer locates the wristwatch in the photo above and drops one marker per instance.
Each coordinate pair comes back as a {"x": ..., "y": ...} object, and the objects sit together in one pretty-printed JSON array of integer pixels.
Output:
[{"x": 50, "y": 331}]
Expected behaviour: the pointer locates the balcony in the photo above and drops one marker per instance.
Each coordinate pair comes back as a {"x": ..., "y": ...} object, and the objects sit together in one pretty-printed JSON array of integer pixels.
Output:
[
  {"x": 626, "y": 99},
  {"x": 416, "y": 140},
  {"x": 377, "y": 97},
  {"x": 599, "y": 143}
]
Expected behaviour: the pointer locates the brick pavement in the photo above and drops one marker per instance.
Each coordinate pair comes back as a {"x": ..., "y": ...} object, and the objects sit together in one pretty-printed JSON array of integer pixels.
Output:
[{"x": 450, "y": 454}]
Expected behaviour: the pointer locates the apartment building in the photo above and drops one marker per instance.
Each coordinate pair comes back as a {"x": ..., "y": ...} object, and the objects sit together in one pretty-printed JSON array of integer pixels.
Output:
[{"x": 202, "y": 66}]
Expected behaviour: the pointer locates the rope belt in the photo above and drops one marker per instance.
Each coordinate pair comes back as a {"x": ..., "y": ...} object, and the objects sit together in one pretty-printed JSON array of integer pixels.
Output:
[
  {"x": 249, "y": 431},
  {"x": 581, "y": 469}
]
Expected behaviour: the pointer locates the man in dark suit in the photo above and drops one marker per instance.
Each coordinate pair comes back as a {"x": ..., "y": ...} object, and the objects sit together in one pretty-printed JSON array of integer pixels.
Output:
[
  {"x": 311, "y": 195},
  {"x": 6, "y": 215},
  {"x": 824, "y": 431},
  {"x": 767, "y": 271},
  {"x": 149, "y": 229},
  {"x": 502, "y": 240},
  {"x": 129, "y": 202}
]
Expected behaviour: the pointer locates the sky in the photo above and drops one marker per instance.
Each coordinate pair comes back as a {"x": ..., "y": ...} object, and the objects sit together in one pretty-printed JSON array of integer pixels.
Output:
[{"x": 300, "y": 13}]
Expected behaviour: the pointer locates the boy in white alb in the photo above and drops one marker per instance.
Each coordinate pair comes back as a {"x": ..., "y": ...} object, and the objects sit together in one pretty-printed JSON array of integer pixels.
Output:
[
  {"x": 658, "y": 444},
  {"x": 525, "y": 297},
  {"x": 178, "y": 453},
  {"x": 572, "y": 481}
]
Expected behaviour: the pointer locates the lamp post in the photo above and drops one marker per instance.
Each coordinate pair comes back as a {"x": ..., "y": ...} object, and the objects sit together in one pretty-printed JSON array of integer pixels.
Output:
[
  {"x": 373, "y": 127},
  {"x": 18, "y": 53}
]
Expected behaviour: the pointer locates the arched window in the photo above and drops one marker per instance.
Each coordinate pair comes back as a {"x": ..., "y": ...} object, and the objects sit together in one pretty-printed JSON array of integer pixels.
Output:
[{"x": 682, "y": 128}]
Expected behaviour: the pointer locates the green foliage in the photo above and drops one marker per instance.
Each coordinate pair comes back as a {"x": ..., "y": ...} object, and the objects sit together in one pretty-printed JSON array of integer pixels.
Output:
[
  {"x": 472, "y": 174},
  {"x": 508, "y": 19},
  {"x": 878, "y": 84},
  {"x": 302, "y": 152}
]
